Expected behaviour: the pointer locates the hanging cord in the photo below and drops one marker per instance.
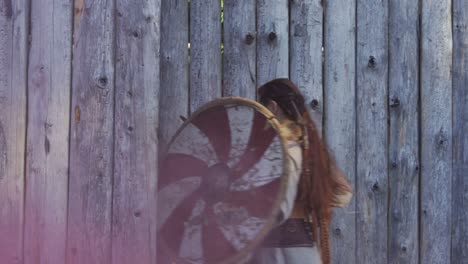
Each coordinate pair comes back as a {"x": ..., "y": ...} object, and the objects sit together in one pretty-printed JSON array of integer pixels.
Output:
[{"x": 324, "y": 240}]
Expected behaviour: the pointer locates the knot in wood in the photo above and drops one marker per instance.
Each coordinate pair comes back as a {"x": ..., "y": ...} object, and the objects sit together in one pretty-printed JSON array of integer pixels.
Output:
[
  {"x": 272, "y": 36},
  {"x": 337, "y": 232},
  {"x": 371, "y": 63},
  {"x": 461, "y": 27},
  {"x": 394, "y": 102},
  {"x": 403, "y": 248},
  {"x": 314, "y": 103},
  {"x": 249, "y": 38},
  {"x": 102, "y": 81},
  {"x": 441, "y": 139},
  {"x": 375, "y": 187}
]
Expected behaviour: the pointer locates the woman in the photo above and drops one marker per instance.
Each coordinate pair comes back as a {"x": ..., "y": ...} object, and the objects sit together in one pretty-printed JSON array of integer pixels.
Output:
[{"x": 302, "y": 234}]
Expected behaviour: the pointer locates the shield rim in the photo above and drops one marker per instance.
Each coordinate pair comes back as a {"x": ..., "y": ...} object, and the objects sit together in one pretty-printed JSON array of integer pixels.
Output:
[{"x": 243, "y": 254}]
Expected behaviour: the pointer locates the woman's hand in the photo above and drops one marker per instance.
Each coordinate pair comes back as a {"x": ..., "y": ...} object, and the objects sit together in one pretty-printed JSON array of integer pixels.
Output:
[{"x": 343, "y": 193}]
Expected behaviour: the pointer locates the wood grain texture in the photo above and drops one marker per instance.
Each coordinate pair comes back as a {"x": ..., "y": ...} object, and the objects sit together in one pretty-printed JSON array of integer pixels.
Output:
[
  {"x": 136, "y": 123},
  {"x": 305, "y": 54},
  {"x": 49, "y": 89},
  {"x": 372, "y": 131},
  {"x": 404, "y": 138},
  {"x": 13, "y": 82},
  {"x": 205, "y": 52},
  {"x": 239, "y": 72},
  {"x": 91, "y": 136},
  {"x": 272, "y": 40},
  {"x": 174, "y": 68},
  {"x": 436, "y": 131},
  {"x": 460, "y": 127},
  {"x": 340, "y": 116}
]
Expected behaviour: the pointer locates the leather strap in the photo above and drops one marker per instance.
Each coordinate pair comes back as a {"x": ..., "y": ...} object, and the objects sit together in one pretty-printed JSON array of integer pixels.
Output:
[{"x": 294, "y": 232}]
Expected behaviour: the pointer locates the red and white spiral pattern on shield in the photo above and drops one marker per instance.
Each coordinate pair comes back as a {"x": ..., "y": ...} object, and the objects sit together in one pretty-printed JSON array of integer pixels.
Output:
[{"x": 195, "y": 229}]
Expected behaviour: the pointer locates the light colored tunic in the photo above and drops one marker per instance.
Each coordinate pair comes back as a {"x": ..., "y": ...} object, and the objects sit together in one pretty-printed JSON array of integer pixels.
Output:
[{"x": 291, "y": 255}]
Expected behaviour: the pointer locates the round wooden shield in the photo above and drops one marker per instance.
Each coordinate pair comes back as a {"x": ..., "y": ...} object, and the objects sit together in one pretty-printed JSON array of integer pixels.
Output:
[{"x": 220, "y": 183}]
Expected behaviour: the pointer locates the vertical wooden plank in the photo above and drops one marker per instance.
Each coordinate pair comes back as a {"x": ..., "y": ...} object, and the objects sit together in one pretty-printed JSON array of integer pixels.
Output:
[
  {"x": 372, "y": 130},
  {"x": 272, "y": 40},
  {"x": 306, "y": 40},
  {"x": 14, "y": 17},
  {"x": 136, "y": 123},
  {"x": 49, "y": 87},
  {"x": 91, "y": 142},
  {"x": 239, "y": 76},
  {"x": 460, "y": 127},
  {"x": 205, "y": 52},
  {"x": 174, "y": 68},
  {"x": 436, "y": 131},
  {"x": 340, "y": 115},
  {"x": 404, "y": 138}
]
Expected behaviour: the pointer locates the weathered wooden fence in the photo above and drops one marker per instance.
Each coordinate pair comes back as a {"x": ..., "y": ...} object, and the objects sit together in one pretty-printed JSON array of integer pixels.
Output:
[{"x": 91, "y": 89}]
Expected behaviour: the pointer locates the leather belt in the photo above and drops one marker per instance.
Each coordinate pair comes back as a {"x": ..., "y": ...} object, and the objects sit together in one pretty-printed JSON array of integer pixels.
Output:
[{"x": 294, "y": 232}]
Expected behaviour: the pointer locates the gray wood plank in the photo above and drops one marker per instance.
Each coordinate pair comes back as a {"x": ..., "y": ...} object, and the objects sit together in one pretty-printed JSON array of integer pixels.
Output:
[
  {"x": 13, "y": 84},
  {"x": 436, "y": 131},
  {"x": 404, "y": 129},
  {"x": 174, "y": 68},
  {"x": 136, "y": 123},
  {"x": 49, "y": 88},
  {"x": 272, "y": 40},
  {"x": 305, "y": 70},
  {"x": 340, "y": 116},
  {"x": 205, "y": 52},
  {"x": 460, "y": 127},
  {"x": 239, "y": 72},
  {"x": 91, "y": 136},
  {"x": 372, "y": 130}
]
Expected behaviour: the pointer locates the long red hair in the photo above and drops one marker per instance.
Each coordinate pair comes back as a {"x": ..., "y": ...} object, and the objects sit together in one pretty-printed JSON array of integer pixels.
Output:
[{"x": 318, "y": 184}]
